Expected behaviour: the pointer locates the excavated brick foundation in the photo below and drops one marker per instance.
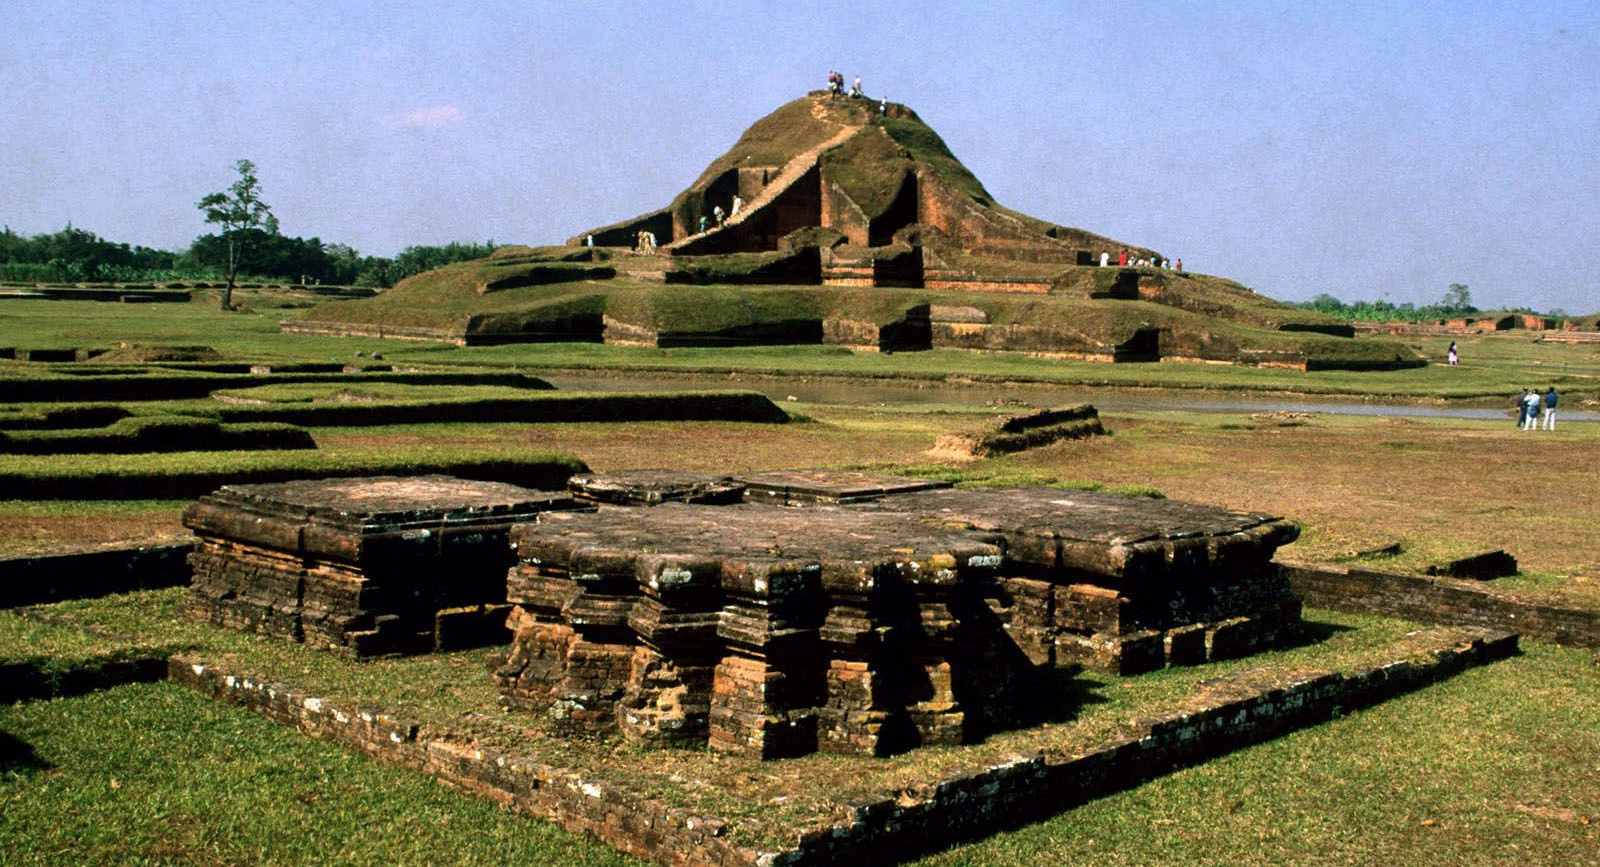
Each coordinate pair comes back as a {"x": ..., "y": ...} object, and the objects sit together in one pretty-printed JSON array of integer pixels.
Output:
[
  {"x": 923, "y": 617},
  {"x": 362, "y": 566}
]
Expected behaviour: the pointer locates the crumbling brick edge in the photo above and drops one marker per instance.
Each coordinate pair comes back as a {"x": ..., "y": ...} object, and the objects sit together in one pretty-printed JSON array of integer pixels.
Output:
[
  {"x": 1430, "y": 599},
  {"x": 1225, "y": 714}
]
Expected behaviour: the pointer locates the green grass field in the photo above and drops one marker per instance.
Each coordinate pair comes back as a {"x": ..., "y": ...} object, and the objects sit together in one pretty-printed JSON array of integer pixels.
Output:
[
  {"x": 160, "y": 775},
  {"x": 1493, "y": 368},
  {"x": 1495, "y": 766}
]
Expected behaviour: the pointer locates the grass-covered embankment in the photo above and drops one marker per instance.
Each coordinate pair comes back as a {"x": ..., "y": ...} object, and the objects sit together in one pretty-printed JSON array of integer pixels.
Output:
[
  {"x": 148, "y": 434},
  {"x": 192, "y": 474}
]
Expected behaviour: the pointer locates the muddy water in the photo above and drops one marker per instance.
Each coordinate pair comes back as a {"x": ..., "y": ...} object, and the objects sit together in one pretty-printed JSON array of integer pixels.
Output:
[{"x": 867, "y": 393}]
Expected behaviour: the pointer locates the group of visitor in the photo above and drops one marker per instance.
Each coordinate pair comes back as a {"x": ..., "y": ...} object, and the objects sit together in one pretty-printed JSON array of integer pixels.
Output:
[
  {"x": 836, "y": 85},
  {"x": 1124, "y": 260},
  {"x": 719, "y": 217},
  {"x": 1528, "y": 409}
]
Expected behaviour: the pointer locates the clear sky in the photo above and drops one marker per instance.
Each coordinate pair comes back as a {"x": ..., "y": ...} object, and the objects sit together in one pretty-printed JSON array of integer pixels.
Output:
[{"x": 1367, "y": 150}]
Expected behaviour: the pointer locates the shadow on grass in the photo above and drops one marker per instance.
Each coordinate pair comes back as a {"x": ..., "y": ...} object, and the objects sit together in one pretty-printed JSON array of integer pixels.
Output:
[
  {"x": 1062, "y": 695},
  {"x": 1312, "y": 632},
  {"x": 18, "y": 758}
]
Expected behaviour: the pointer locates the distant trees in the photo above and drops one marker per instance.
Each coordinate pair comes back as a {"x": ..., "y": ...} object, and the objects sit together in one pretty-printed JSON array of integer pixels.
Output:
[
  {"x": 1457, "y": 301},
  {"x": 248, "y": 243},
  {"x": 415, "y": 260},
  {"x": 74, "y": 255},
  {"x": 243, "y": 216}
]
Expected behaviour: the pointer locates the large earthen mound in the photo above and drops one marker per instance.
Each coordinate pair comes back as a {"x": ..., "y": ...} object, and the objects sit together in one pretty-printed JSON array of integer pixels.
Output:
[{"x": 846, "y": 221}]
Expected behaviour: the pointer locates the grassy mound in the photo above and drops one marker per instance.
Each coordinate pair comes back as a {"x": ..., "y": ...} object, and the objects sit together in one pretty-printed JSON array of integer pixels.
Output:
[
  {"x": 90, "y": 384},
  {"x": 1200, "y": 317},
  {"x": 143, "y": 434},
  {"x": 192, "y": 474}
]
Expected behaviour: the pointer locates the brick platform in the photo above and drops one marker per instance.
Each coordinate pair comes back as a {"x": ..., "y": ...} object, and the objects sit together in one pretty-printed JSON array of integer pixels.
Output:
[
  {"x": 364, "y": 566},
  {"x": 923, "y": 617}
]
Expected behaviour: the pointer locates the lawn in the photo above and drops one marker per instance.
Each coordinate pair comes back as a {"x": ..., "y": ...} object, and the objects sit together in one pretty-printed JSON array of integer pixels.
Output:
[
  {"x": 157, "y": 774},
  {"x": 1497, "y": 765}
]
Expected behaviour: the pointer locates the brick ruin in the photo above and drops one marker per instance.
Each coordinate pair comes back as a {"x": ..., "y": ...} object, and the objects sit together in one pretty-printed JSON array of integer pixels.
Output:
[
  {"x": 770, "y": 614},
  {"x": 923, "y": 617},
  {"x": 361, "y": 566},
  {"x": 915, "y": 224}
]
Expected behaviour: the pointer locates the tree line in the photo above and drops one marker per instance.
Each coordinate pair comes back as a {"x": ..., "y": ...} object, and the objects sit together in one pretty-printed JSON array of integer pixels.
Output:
[
  {"x": 1456, "y": 303},
  {"x": 248, "y": 246},
  {"x": 74, "y": 255}
]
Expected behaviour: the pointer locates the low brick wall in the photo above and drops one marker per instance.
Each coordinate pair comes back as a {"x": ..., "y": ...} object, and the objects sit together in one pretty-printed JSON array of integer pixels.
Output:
[
  {"x": 367, "y": 329},
  {"x": 1226, "y": 713},
  {"x": 1439, "y": 599},
  {"x": 39, "y": 580},
  {"x": 633, "y": 823}
]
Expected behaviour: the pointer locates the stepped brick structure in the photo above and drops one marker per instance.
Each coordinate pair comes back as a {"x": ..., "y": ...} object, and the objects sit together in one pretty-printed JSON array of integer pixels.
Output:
[
  {"x": 884, "y": 201},
  {"x": 923, "y": 617},
  {"x": 362, "y": 566}
]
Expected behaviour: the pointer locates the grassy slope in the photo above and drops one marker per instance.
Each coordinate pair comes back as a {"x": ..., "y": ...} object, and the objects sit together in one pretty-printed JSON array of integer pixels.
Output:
[
  {"x": 1494, "y": 767},
  {"x": 1249, "y": 319}
]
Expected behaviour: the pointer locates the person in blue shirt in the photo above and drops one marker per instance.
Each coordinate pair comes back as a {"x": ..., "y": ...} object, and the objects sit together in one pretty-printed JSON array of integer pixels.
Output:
[{"x": 1550, "y": 409}]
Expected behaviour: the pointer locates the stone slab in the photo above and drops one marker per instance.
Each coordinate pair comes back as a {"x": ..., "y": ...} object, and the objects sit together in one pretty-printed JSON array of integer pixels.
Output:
[
  {"x": 1126, "y": 540},
  {"x": 653, "y": 487},
  {"x": 801, "y": 487}
]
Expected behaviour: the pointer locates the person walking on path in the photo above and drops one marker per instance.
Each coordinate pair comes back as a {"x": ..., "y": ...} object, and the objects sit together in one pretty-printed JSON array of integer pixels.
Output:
[{"x": 1550, "y": 409}]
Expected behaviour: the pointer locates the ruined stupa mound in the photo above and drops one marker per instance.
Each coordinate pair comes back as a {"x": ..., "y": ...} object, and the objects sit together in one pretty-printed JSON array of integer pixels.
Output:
[
  {"x": 849, "y": 221},
  {"x": 865, "y": 169}
]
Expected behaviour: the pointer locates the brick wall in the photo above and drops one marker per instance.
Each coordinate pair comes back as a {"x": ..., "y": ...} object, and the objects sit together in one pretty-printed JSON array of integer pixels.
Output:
[
  {"x": 1225, "y": 714},
  {"x": 1444, "y": 600}
]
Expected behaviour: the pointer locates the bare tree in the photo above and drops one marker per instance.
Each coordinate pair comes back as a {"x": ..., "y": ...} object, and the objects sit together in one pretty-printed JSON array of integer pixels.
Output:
[{"x": 239, "y": 211}]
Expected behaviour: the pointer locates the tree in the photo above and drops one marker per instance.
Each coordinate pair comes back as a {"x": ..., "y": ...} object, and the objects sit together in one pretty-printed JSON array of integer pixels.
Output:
[
  {"x": 1457, "y": 299},
  {"x": 239, "y": 211}
]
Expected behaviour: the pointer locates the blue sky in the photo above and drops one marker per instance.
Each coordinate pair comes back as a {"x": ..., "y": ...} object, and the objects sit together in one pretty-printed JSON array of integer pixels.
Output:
[{"x": 1367, "y": 150}]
